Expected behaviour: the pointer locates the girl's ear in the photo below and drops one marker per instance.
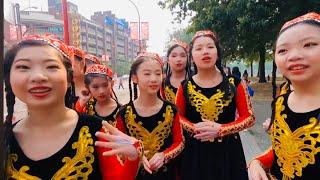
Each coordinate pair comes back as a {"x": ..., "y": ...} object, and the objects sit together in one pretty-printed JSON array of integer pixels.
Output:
[{"x": 134, "y": 79}]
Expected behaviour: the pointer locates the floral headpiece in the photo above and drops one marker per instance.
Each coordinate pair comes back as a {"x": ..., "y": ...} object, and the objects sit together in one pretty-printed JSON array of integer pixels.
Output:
[
  {"x": 151, "y": 55},
  {"x": 77, "y": 52},
  {"x": 99, "y": 69},
  {"x": 312, "y": 16},
  {"x": 52, "y": 41},
  {"x": 92, "y": 58},
  {"x": 203, "y": 33},
  {"x": 179, "y": 43}
]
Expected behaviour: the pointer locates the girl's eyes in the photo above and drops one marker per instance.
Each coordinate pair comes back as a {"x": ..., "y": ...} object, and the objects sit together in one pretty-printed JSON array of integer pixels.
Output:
[
  {"x": 310, "y": 44},
  {"x": 53, "y": 67},
  {"x": 22, "y": 67},
  {"x": 280, "y": 51}
]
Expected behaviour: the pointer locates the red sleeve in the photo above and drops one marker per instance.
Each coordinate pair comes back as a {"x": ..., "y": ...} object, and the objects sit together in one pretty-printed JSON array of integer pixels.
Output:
[
  {"x": 181, "y": 105},
  {"x": 266, "y": 158},
  {"x": 79, "y": 108},
  {"x": 178, "y": 141},
  {"x": 246, "y": 117},
  {"x": 111, "y": 168},
  {"x": 120, "y": 124}
]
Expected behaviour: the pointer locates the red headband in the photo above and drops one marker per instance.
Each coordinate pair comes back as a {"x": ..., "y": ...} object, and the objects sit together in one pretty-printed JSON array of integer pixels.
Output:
[
  {"x": 53, "y": 41},
  {"x": 77, "y": 52},
  {"x": 204, "y": 33},
  {"x": 179, "y": 43},
  {"x": 99, "y": 69},
  {"x": 93, "y": 58},
  {"x": 312, "y": 16},
  {"x": 151, "y": 55}
]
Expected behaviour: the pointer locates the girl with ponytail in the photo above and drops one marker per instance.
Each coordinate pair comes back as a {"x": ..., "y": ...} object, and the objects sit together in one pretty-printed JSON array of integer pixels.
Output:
[
  {"x": 207, "y": 104},
  {"x": 151, "y": 119},
  {"x": 54, "y": 141},
  {"x": 295, "y": 120}
]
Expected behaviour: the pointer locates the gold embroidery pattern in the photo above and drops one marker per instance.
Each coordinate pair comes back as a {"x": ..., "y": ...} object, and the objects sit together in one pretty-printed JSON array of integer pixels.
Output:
[
  {"x": 153, "y": 141},
  {"x": 22, "y": 173},
  {"x": 77, "y": 167},
  {"x": 90, "y": 107},
  {"x": 284, "y": 89},
  {"x": 169, "y": 94},
  {"x": 80, "y": 165},
  {"x": 295, "y": 150},
  {"x": 209, "y": 108},
  {"x": 176, "y": 151},
  {"x": 247, "y": 122}
]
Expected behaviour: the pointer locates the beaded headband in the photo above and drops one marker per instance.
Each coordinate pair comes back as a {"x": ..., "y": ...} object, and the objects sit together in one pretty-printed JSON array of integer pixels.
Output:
[
  {"x": 92, "y": 58},
  {"x": 151, "y": 55},
  {"x": 53, "y": 41},
  {"x": 179, "y": 43},
  {"x": 203, "y": 33},
  {"x": 99, "y": 69},
  {"x": 77, "y": 52},
  {"x": 312, "y": 16}
]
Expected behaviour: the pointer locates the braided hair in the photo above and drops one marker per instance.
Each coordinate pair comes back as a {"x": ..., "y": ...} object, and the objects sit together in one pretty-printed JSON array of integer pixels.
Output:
[{"x": 10, "y": 96}]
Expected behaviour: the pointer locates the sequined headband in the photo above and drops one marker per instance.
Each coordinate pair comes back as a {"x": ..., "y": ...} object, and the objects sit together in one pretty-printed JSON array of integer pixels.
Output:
[
  {"x": 312, "y": 16},
  {"x": 151, "y": 55},
  {"x": 203, "y": 33},
  {"x": 179, "y": 43},
  {"x": 99, "y": 69},
  {"x": 52, "y": 41},
  {"x": 77, "y": 52},
  {"x": 93, "y": 58}
]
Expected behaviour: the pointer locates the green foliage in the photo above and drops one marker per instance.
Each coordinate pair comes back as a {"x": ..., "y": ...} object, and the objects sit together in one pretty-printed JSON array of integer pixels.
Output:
[{"x": 122, "y": 66}]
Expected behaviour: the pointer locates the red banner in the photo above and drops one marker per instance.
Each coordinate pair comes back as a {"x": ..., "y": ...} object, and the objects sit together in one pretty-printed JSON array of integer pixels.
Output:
[
  {"x": 145, "y": 30},
  {"x": 134, "y": 31}
]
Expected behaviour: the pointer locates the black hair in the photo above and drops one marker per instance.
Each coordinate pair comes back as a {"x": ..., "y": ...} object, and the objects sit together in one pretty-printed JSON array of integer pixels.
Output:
[
  {"x": 10, "y": 97},
  {"x": 274, "y": 70},
  {"x": 236, "y": 72},
  {"x": 88, "y": 79},
  {"x": 168, "y": 71},
  {"x": 226, "y": 87}
]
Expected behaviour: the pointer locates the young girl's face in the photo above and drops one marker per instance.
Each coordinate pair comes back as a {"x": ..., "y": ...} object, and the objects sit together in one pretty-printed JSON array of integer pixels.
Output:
[
  {"x": 177, "y": 59},
  {"x": 100, "y": 88},
  {"x": 204, "y": 52},
  {"x": 38, "y": 76},
  {"x": 298, "y": 53},
  {"x": 148, "y": 77}
]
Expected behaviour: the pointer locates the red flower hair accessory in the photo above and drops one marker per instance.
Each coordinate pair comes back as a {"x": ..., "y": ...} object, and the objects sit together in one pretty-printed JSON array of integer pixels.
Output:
[
  {"x": 52, "y": 41},
  {"x": 151, "y": 55},
  {"x": 99, "y": 69},
  {"x": 204, "y": 33},
  {"x": 312, "y": 16},
  {"x": 93, "y": 58}
]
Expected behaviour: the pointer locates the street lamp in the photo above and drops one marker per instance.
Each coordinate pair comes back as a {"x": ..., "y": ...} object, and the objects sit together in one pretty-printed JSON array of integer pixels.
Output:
[
  {"x": 18, "y": 20},
  {"x": 139, "y": 35}
]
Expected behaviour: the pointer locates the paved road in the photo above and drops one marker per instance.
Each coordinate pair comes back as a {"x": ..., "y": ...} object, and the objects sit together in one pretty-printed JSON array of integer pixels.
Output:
[{"x": 254, "y": 141}]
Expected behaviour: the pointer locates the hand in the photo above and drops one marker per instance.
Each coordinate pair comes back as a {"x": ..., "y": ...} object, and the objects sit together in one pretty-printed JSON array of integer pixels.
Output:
[
  {"x": 120, "y": 143},
  {"x": 157, "y": 161},
  {"x": 256, "y": 171},
  {"x": 266, "y": 124},
  {"x": 146, "y": 164},
  {"x": 207, "y": 130}
]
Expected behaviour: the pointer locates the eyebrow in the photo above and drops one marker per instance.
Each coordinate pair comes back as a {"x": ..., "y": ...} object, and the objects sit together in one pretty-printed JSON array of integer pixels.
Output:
[
  {"x": 304, "y": 39},
  {"x": 28, "y": 60}
]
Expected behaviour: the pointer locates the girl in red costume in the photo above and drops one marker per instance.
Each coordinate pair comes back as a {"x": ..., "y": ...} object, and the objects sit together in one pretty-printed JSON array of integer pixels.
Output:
[
  {"x": 98, "y": 80},
  {"x": 207, "y": 104},
  {"x": 54, "y": 141},
  {"x": 149, "y": 118},
  {"x": 295, "y": 150}
]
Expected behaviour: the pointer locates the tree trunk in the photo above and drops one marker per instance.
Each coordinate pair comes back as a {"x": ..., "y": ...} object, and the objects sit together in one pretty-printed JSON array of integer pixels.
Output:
[
  {"x": 251, "y": 68},
  {"x": 274, "y": 80},
  {"x": 262, "y": 54}
]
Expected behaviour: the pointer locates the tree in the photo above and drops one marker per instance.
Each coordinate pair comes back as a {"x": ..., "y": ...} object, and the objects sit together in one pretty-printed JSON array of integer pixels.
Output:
[{"x": 245, "y": 27}]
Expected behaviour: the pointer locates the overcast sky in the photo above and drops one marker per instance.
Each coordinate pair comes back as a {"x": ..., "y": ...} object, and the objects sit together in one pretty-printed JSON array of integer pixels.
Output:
[{"x": 159, "y": 19}]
